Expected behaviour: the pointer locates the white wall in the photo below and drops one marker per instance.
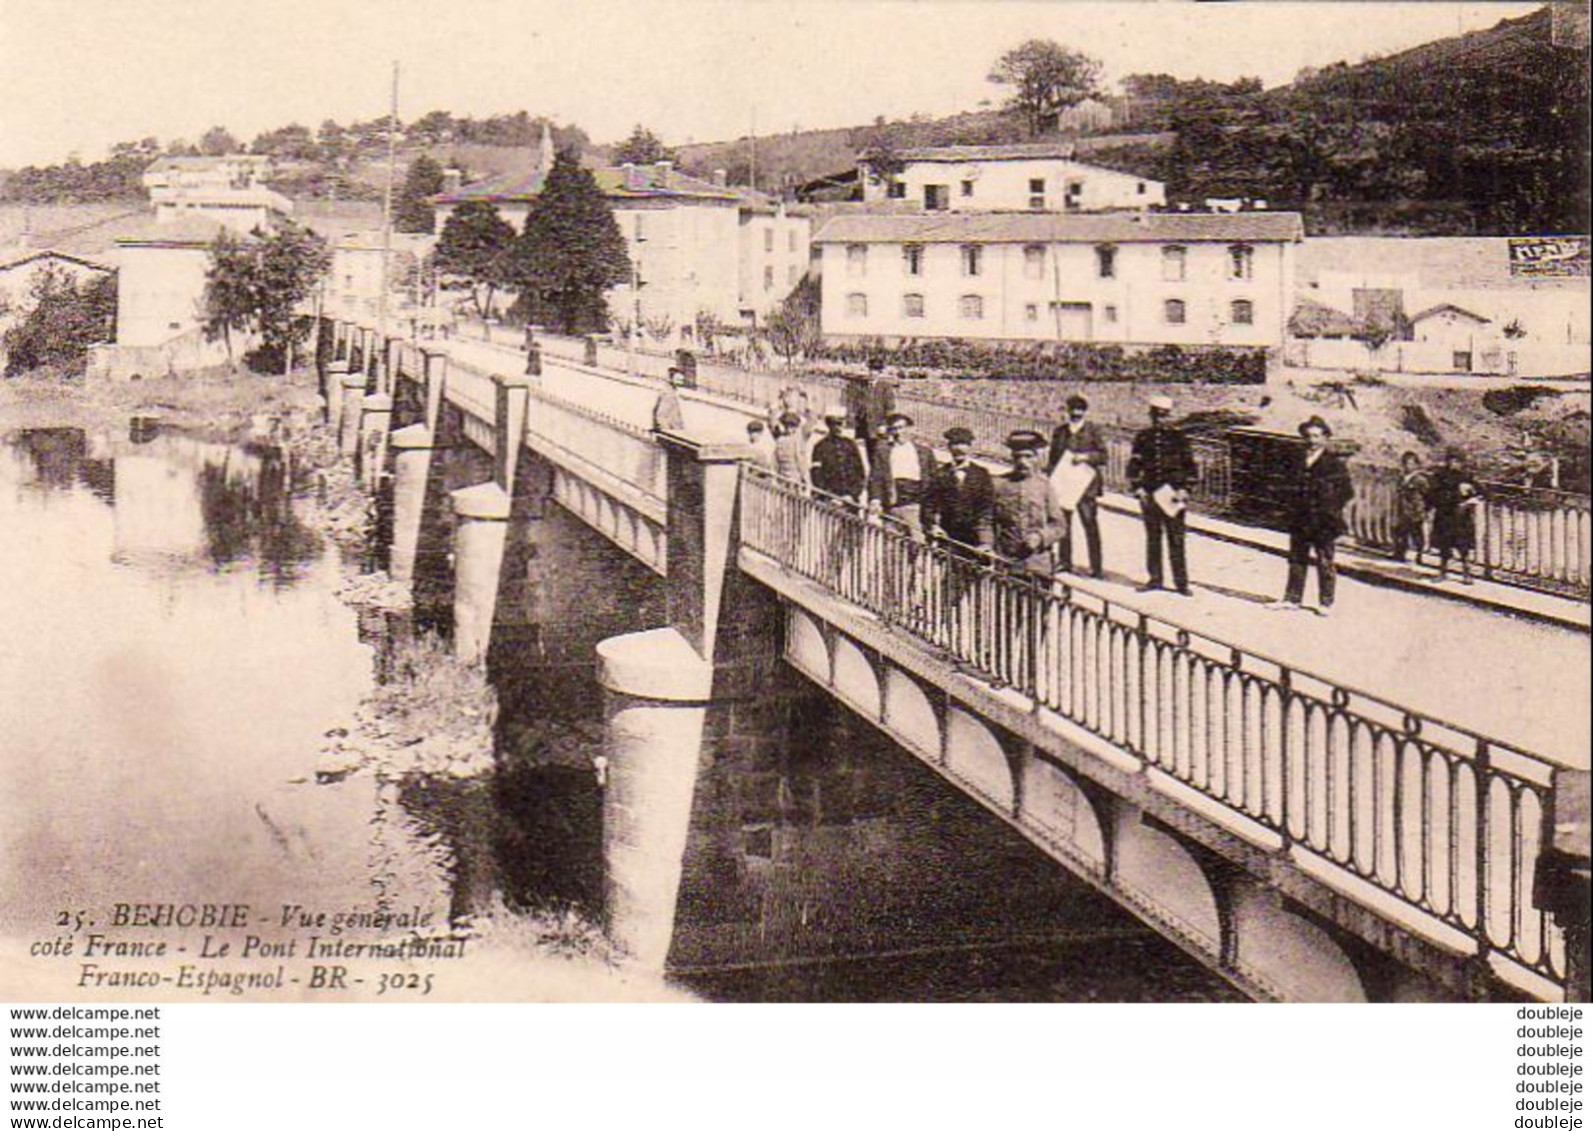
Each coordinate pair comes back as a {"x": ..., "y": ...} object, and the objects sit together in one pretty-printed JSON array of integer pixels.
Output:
[
  {"x": 1128, "y": 308},
  {"x": 1004, "y": 185},
  {"x": 159, "y": 292},
  {"x": 773, "y": 258}
]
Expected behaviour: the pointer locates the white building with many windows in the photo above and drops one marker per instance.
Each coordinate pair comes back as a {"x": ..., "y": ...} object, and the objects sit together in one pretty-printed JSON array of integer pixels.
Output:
[
  {"x": 1129, "y": 278},
  {"x": 988, "y": 178}
]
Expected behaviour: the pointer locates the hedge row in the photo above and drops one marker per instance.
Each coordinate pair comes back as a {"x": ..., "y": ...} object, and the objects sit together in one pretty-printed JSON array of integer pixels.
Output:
[{"x": 1050, "y": 361}]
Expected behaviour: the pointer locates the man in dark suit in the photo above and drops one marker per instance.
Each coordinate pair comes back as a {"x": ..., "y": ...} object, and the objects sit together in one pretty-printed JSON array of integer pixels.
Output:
[
  {"x": 957, "y": 505},
  {"x": 1161, "y": 469},
  {"x": 837, "y": 461},
  {"x": 1322, "y": 489},
  {"x": 1079, "y": 441}
]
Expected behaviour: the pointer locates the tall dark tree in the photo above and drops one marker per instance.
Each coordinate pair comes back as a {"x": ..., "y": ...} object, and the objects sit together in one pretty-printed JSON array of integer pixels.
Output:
[
  {"x": 229, "y": 298},
  {"x": 475, "y": 248},
  {"x": 571, "y": 251},
  {"x": 413, "y": 211},
  {"x": 218, "y": 142},
  {"x": 643, "y": 147},
  {"x": 1046, "y": 79}
]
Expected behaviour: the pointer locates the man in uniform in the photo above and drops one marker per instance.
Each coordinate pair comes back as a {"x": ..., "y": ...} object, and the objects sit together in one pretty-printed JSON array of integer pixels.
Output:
[
  {"x": 1079, "y": 441},
  {"x": 1160, "y": 471},
  {"x": 1026, "y": 521},
  {"x": 837, "y": 463}
]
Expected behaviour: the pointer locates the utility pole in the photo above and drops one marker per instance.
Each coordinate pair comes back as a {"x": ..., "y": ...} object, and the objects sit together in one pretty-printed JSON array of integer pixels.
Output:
[
  {"x": 387, "y": 206},
  {"x": 752, "y": 139}
]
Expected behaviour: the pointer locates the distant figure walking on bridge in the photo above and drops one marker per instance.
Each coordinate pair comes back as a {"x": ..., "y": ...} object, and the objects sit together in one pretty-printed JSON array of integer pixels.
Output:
[
  {"x": 1078, "y": 449},
  {"x": 1410, "y": 508},
  {"x": 668, "y": 414},
  {"x": 1161, "y": 468},
  {"x": 1321, "y": 491},
  {"x": 1452, "y": 493}
]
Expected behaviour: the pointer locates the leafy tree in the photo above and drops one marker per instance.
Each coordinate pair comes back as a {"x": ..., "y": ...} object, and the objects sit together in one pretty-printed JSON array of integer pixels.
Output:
[
  {"x": 292, "y": 142},
  {"x": 792, "y": 329},
  {"x": 228, "y": 304},
  {"x": 64, "y": 318},
  {"x": 571, "y": 251},
  {"x": 259, "y": 283},
  {"x": 217, "y": 141},
  {"x": 475, "y": 246},
  {"x": 884, "y": 158},
  {"x": 413, "y": 211},
  {"x": 643, "y": 147},
  {"x": 436, "y": 127},
  {"x": 1046, "y": 78}
]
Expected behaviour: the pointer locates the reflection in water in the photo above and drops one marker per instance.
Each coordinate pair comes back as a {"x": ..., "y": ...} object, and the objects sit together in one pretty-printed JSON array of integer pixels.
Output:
[{"x": 245, "y": 499}]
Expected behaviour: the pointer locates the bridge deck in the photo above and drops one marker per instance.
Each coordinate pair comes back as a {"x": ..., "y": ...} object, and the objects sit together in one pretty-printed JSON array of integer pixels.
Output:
[{"x": 1520, "y": 682}]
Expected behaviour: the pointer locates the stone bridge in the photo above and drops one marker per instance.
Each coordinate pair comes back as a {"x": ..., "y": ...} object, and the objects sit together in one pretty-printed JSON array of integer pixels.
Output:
[{"x": 1303, "y": 837}]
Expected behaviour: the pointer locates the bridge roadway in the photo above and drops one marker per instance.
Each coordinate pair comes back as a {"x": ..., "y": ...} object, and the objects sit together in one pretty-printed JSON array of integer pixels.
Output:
[{"x": 1515, "y": 680}]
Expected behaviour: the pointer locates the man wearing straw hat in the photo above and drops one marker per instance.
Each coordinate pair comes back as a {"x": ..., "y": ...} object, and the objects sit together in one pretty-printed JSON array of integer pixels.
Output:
[{"x": 1322, "y": 489}]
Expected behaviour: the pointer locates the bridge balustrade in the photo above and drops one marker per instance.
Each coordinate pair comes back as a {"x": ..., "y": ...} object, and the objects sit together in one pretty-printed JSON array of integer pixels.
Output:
[
  {"x": 1440, "y": 819},
  {"x": 620, "y": 450}
]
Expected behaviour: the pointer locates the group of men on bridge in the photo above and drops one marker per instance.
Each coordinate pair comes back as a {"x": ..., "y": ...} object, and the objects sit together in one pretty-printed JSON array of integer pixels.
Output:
[{"x": 1025, "y": 516}]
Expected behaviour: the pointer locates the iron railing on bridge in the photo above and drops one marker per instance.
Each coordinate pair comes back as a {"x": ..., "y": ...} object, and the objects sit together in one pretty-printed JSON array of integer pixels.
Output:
[{"x": 1442, "y": 819}]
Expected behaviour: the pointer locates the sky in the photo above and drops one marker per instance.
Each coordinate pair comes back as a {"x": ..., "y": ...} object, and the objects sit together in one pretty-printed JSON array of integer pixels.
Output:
[{"x": 78, "y": 76}]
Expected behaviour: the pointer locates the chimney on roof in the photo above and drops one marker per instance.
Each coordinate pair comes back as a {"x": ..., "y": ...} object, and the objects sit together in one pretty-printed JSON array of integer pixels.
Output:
[
  {"x": 720, "y": 178},
  {"x": 453, "y": 180}
]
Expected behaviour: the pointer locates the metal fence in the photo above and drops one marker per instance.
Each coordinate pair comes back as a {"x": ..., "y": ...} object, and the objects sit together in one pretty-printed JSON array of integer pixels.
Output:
[{"x": 1444, "y": 820}]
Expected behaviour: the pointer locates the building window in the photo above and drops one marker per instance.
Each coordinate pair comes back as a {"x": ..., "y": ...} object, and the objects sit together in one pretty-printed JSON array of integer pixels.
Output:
[
  {"x": 971, "y": 306},
  {"x": 1241, "y": 261},
  {"x": 857, "y": 260},
  {"x": 791, "y": 275},
  {"x": 1073, "y": 196},
  {"x": 768, "y": 278},
  {"x": 1037, "y": 192},
  {"x": 1139, "y": 188},
  {"x": 967, "y": 188},
  {"x": 937, "y": 198},
  {"x": 768, "y": 239},
  {"x": 791, "y": 241},
  {"x": 896, "y": 190},
  {"x": 1173, "y": 311},
  {"x": 912, "y": 306},
  {"x": 1242, "y": 312},
  {"x": 913, "y": 259},
  {"x": 972, "y": 259},
  {"x": 1031, "y": 312},
  {"x": 1173, "y": 264},
  {"x": 1034, "y": 262},
  {"x": 1106, "y": 262},
  {"x": 856, "y": 305},
  {"x": 1109, "y": 313}
]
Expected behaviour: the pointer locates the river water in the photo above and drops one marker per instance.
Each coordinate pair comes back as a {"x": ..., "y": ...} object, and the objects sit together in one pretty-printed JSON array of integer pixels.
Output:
[{"x": 175, "y": 654}]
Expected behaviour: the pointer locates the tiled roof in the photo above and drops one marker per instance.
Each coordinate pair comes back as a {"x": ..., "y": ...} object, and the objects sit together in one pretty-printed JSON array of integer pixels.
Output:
[
  {"x": 645, "y": 182},
  {"x": 1063, "y": 227},
  {"x": 1443, "y": 306},
  {"x": 952, "y": 153},
  {"x": 16, "y": 257}
]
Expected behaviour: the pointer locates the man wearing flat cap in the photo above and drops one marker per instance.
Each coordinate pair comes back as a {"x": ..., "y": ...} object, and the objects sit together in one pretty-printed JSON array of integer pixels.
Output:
[
  {"x": 1076, "y": 445},
  {"x": 1161, "y": 469},
  {"x": 1322, "y": 489},
  {"x": 957, "y": 505},
  {"x": 901, "y": 470},
  {"x": 1027, "y": 521},
  {"x": 837, "y": 467}
]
